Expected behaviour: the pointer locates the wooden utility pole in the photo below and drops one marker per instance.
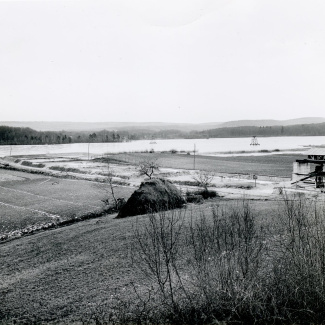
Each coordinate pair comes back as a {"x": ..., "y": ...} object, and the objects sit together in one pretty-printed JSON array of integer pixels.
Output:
[{"x": 194, "y": 156}]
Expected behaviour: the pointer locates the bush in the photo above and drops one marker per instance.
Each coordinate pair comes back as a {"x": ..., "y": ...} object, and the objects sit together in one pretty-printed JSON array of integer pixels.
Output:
[
  {"x": 30, "y": 164},
  {"x": 69, "y": 169},
  {"x": 224, "y": 267},
  {"x": 192, "y": 198},
  {"x": 204, "y": 179},
  {"x": 202, "y": 271},
  {"x": 113, "y": 207},
  {"x": 207, "y": 194}
]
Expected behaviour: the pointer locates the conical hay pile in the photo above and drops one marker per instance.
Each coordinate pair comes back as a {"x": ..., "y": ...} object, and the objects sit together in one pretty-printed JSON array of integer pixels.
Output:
[{"x": 152, "y": 196}]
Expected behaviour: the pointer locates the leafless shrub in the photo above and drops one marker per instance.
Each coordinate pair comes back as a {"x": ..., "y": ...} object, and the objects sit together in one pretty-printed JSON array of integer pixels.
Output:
[
  {"x": 299, "y": 262},
  {"x": 158, "y": 253},
  {"x": 117, "y": 202},
  {"x": 227, "y": 253},
  {"x": 204, "y": 179},
  {"x": 223, "y": 266},
  {"x": 203, "y": 266}
]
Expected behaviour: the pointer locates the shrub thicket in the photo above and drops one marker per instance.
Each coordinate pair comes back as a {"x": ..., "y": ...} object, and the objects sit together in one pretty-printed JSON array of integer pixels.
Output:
[
  {"x": 68, "y": 169},
  {"x": 194, "y": 198},
  {"x": 227, "y": 267},
  {"x": 207, "y": 194},
  {"x": 30, "y": 164},
  {"x": 200, "y": 196}
]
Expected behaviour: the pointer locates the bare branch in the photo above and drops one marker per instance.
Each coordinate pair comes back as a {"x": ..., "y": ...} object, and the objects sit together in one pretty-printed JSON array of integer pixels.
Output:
[
  {"x": 148, "y": 167},
  {"x": 204, "y": 179},
  {"x": 111, "y": 185}
]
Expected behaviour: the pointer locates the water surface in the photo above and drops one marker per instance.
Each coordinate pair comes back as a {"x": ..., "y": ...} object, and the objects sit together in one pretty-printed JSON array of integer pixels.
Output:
[{"x": 203, "y": 146}]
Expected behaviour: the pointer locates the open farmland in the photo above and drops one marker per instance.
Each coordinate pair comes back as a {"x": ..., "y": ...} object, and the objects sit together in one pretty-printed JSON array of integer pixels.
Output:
[
  {"x": 276, "y": 165},
  {"x": 69, "y": 273},
  {"x": 86, "y": 273},
  {"x": 31, "y": 199},
  {"x": 56, "y": 188},
  {"x": 87, "y": 270}
]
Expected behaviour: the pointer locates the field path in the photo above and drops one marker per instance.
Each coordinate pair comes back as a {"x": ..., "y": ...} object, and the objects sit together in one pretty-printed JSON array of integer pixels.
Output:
[{"x": 47, "y": 180}]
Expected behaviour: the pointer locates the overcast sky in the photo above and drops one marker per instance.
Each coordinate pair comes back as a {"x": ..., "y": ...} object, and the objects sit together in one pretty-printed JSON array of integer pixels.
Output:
[{"x": 161, "y": 60}]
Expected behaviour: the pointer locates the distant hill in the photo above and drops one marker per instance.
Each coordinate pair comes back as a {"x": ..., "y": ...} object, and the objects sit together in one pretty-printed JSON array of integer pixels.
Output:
[
  {"x": 154, "y": 126},
  {"x": 311, "y": 129},
  {"x": 13, "y": 135},
  {"x": 303, "y": 120},
  {"x": 97, "y": 126}
]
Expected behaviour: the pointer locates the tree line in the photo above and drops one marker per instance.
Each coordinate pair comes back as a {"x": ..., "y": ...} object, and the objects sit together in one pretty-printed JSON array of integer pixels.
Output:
[
  {"x": 27, "y": 136},
  {"x": 262, "y": 131}
]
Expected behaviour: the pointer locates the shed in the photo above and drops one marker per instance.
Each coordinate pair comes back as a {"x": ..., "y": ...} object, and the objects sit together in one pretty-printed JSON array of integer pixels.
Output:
[{"x": 310, "y": 167}]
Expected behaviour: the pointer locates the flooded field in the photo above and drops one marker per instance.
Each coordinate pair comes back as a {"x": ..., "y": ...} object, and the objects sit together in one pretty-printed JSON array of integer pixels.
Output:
[{"x": 202, "y": 146}]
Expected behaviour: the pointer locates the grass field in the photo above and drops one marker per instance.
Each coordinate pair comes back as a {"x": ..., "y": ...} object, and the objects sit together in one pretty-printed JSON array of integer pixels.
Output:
[
  {"x": 30, "y": 199},
  {"x": 277, "y": 165},
  {"x": 35, "y": 199},
  {"x": 75, "y": 273},
  {"x": 66, "y": 274}
]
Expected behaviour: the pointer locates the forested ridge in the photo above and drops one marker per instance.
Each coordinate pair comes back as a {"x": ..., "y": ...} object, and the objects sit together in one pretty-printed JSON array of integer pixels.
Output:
[
  {"x": 27, "y": 136},
  {"x": 263, "y": 131}
]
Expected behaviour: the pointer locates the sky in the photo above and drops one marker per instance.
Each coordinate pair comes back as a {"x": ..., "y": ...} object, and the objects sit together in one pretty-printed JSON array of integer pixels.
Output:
[{"x": 184, "y": 61}]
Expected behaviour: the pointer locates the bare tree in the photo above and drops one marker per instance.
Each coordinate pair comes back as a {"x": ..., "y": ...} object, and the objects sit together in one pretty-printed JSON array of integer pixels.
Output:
[
  {"x": 111, "y": 185},
  {"x": 148, "y": 167},
  {"x": 204, "y": 179},
  {"x": 117, "y": 202}
]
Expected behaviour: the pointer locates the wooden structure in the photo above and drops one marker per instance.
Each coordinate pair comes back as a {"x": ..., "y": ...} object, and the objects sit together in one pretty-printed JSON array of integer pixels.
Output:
[
  {"x": 254, "y": 141},
  {"x": 311, "y": 169}
]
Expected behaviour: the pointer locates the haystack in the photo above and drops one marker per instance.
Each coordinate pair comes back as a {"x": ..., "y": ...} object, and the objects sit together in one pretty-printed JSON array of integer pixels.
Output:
[{"x": 152, "y": 196}]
